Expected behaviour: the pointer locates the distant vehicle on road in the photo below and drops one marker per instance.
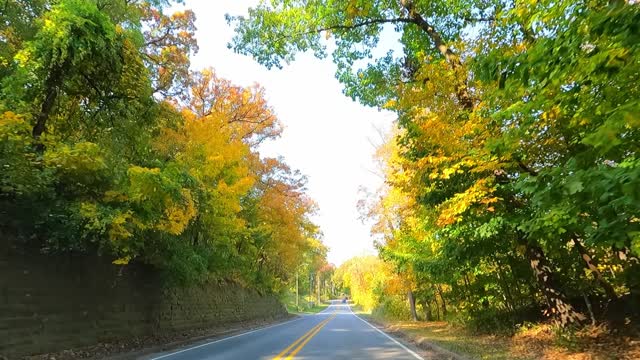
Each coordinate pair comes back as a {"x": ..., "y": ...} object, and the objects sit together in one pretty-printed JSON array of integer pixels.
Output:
[{"x": 344, "y": 300}]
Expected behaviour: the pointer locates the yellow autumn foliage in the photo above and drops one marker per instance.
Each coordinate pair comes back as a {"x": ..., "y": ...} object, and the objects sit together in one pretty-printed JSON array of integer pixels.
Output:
[
  {"x": 178, "y": 214},
  {"x": 451, "y": 211}
]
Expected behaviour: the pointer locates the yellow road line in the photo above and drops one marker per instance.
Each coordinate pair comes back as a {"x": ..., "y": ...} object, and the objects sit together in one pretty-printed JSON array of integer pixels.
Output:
[
  {"x": 298, "y": 340},
  {"x": 302, "y": 344},
  {"x": 311, "y": 332}
]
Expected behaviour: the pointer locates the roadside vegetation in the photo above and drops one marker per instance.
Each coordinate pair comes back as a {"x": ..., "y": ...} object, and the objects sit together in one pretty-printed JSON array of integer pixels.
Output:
[
  {"x": 308, "y": 307},
  {"x": 381, "y": 298},
  {"x": 541, "y": 341},
  {"x": 111, "y": 145},
  {"x": 315, "y": 289},
  {"x": 512, "y": 172},
  {"x": 510, "y": 207}
]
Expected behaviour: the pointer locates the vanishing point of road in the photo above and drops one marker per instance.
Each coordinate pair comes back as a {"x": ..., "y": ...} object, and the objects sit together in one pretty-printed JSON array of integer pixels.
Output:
[{"x": 335, "y": 333}]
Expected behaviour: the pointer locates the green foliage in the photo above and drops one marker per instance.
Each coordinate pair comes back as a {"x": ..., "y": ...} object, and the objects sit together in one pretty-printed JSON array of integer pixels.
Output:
[
  {"x": 392, "y": 307},
  {"x": 97, "y": 156},
  {"x": 19, "y": 174},
  {"x": 516, "y": 148}
]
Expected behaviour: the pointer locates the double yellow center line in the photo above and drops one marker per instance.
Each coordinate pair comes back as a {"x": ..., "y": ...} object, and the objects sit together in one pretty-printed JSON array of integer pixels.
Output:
[{"x": 303, "y": 340}]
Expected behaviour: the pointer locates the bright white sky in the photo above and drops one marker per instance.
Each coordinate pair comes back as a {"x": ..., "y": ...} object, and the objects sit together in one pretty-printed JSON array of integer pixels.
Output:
[{"x": 327, "y": 136}]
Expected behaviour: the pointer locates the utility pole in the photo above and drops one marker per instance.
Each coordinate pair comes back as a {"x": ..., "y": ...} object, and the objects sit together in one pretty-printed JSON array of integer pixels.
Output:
[
  {"x": 318, "y": 285},
  {"x": 297, "y": 307},
  {"x": 333, "y": 289},
  {"x": 310, "y": 287}
]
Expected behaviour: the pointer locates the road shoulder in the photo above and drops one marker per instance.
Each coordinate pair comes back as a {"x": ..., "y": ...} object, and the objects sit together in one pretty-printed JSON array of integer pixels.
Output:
[
  {"x": 428, "y": 350},
  {"x": 151, "y": 346}
]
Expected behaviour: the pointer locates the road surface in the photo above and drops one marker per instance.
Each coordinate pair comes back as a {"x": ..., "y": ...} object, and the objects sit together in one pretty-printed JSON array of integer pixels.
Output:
[{"x": 335, "y": 333}]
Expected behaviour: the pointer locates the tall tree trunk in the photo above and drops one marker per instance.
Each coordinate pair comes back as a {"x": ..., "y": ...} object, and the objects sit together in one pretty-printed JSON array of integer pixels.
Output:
[
  {"x": 51, "y": 88},
  {"x": 519, "y": 292},
  {"x": 42, "y": 116},
  {"x": 467, "y": 287},
  {"x": 318, "y": 287},
  {"x": 592, "y": 266},
  {"x": 426, "y": 308},
  {"x": 461, "y": 87},
  {"x": 444, "y": 303},
  {"x": 588, "y": 303},
  {"x": 437, "y": 306},
  {"x": 559, "y": 307},
  {"x": 412, "y": 305},
  {"x": 506, "y": 293}
]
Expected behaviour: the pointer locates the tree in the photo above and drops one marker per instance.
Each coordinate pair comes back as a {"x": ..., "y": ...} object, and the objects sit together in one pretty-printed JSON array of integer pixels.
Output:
[
  {"x": 110, "y": 146},
  {"x": 495, "y": 143}
]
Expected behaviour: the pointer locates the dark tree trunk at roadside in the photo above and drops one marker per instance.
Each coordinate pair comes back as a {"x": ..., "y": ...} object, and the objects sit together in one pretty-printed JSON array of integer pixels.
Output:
[
  {"x": 559, "y": 307},
  {"x": 506, "y": 293},
  {"x": 437, "y": 306},
  {"x": 589, "y": 308},
  {"x": 51, "y": 89},
  {"x": 412, "y": 305},
  {"x": 592, "y": 266},
  {"x": 426, "y": 307},
  {"x": 444, "y": 303}
]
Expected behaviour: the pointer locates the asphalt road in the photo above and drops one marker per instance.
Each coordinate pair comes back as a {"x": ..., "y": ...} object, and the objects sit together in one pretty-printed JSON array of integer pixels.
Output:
[{"x": 335, "y": 333}]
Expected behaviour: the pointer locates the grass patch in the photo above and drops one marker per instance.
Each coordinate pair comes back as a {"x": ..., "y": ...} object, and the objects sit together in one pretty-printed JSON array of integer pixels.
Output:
[
  {"x": 306, "y": 305},
  {"x": 357, "y": 309},
  {"x": 454, "y": 339},
  {"x": 308, "y": 310}
]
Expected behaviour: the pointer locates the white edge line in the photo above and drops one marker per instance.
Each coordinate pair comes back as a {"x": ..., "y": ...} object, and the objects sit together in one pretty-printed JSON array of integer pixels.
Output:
[
  {"x": 389, "y": 336},
  {"x": 223, "y": 339}
]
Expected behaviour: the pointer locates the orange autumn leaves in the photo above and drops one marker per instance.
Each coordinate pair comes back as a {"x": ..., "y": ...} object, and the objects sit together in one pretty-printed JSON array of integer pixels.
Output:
[
  {"x": 118, "y": 149},
  {"x": 215, "y": 146},
  {"x": 244, "y": 109}
]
